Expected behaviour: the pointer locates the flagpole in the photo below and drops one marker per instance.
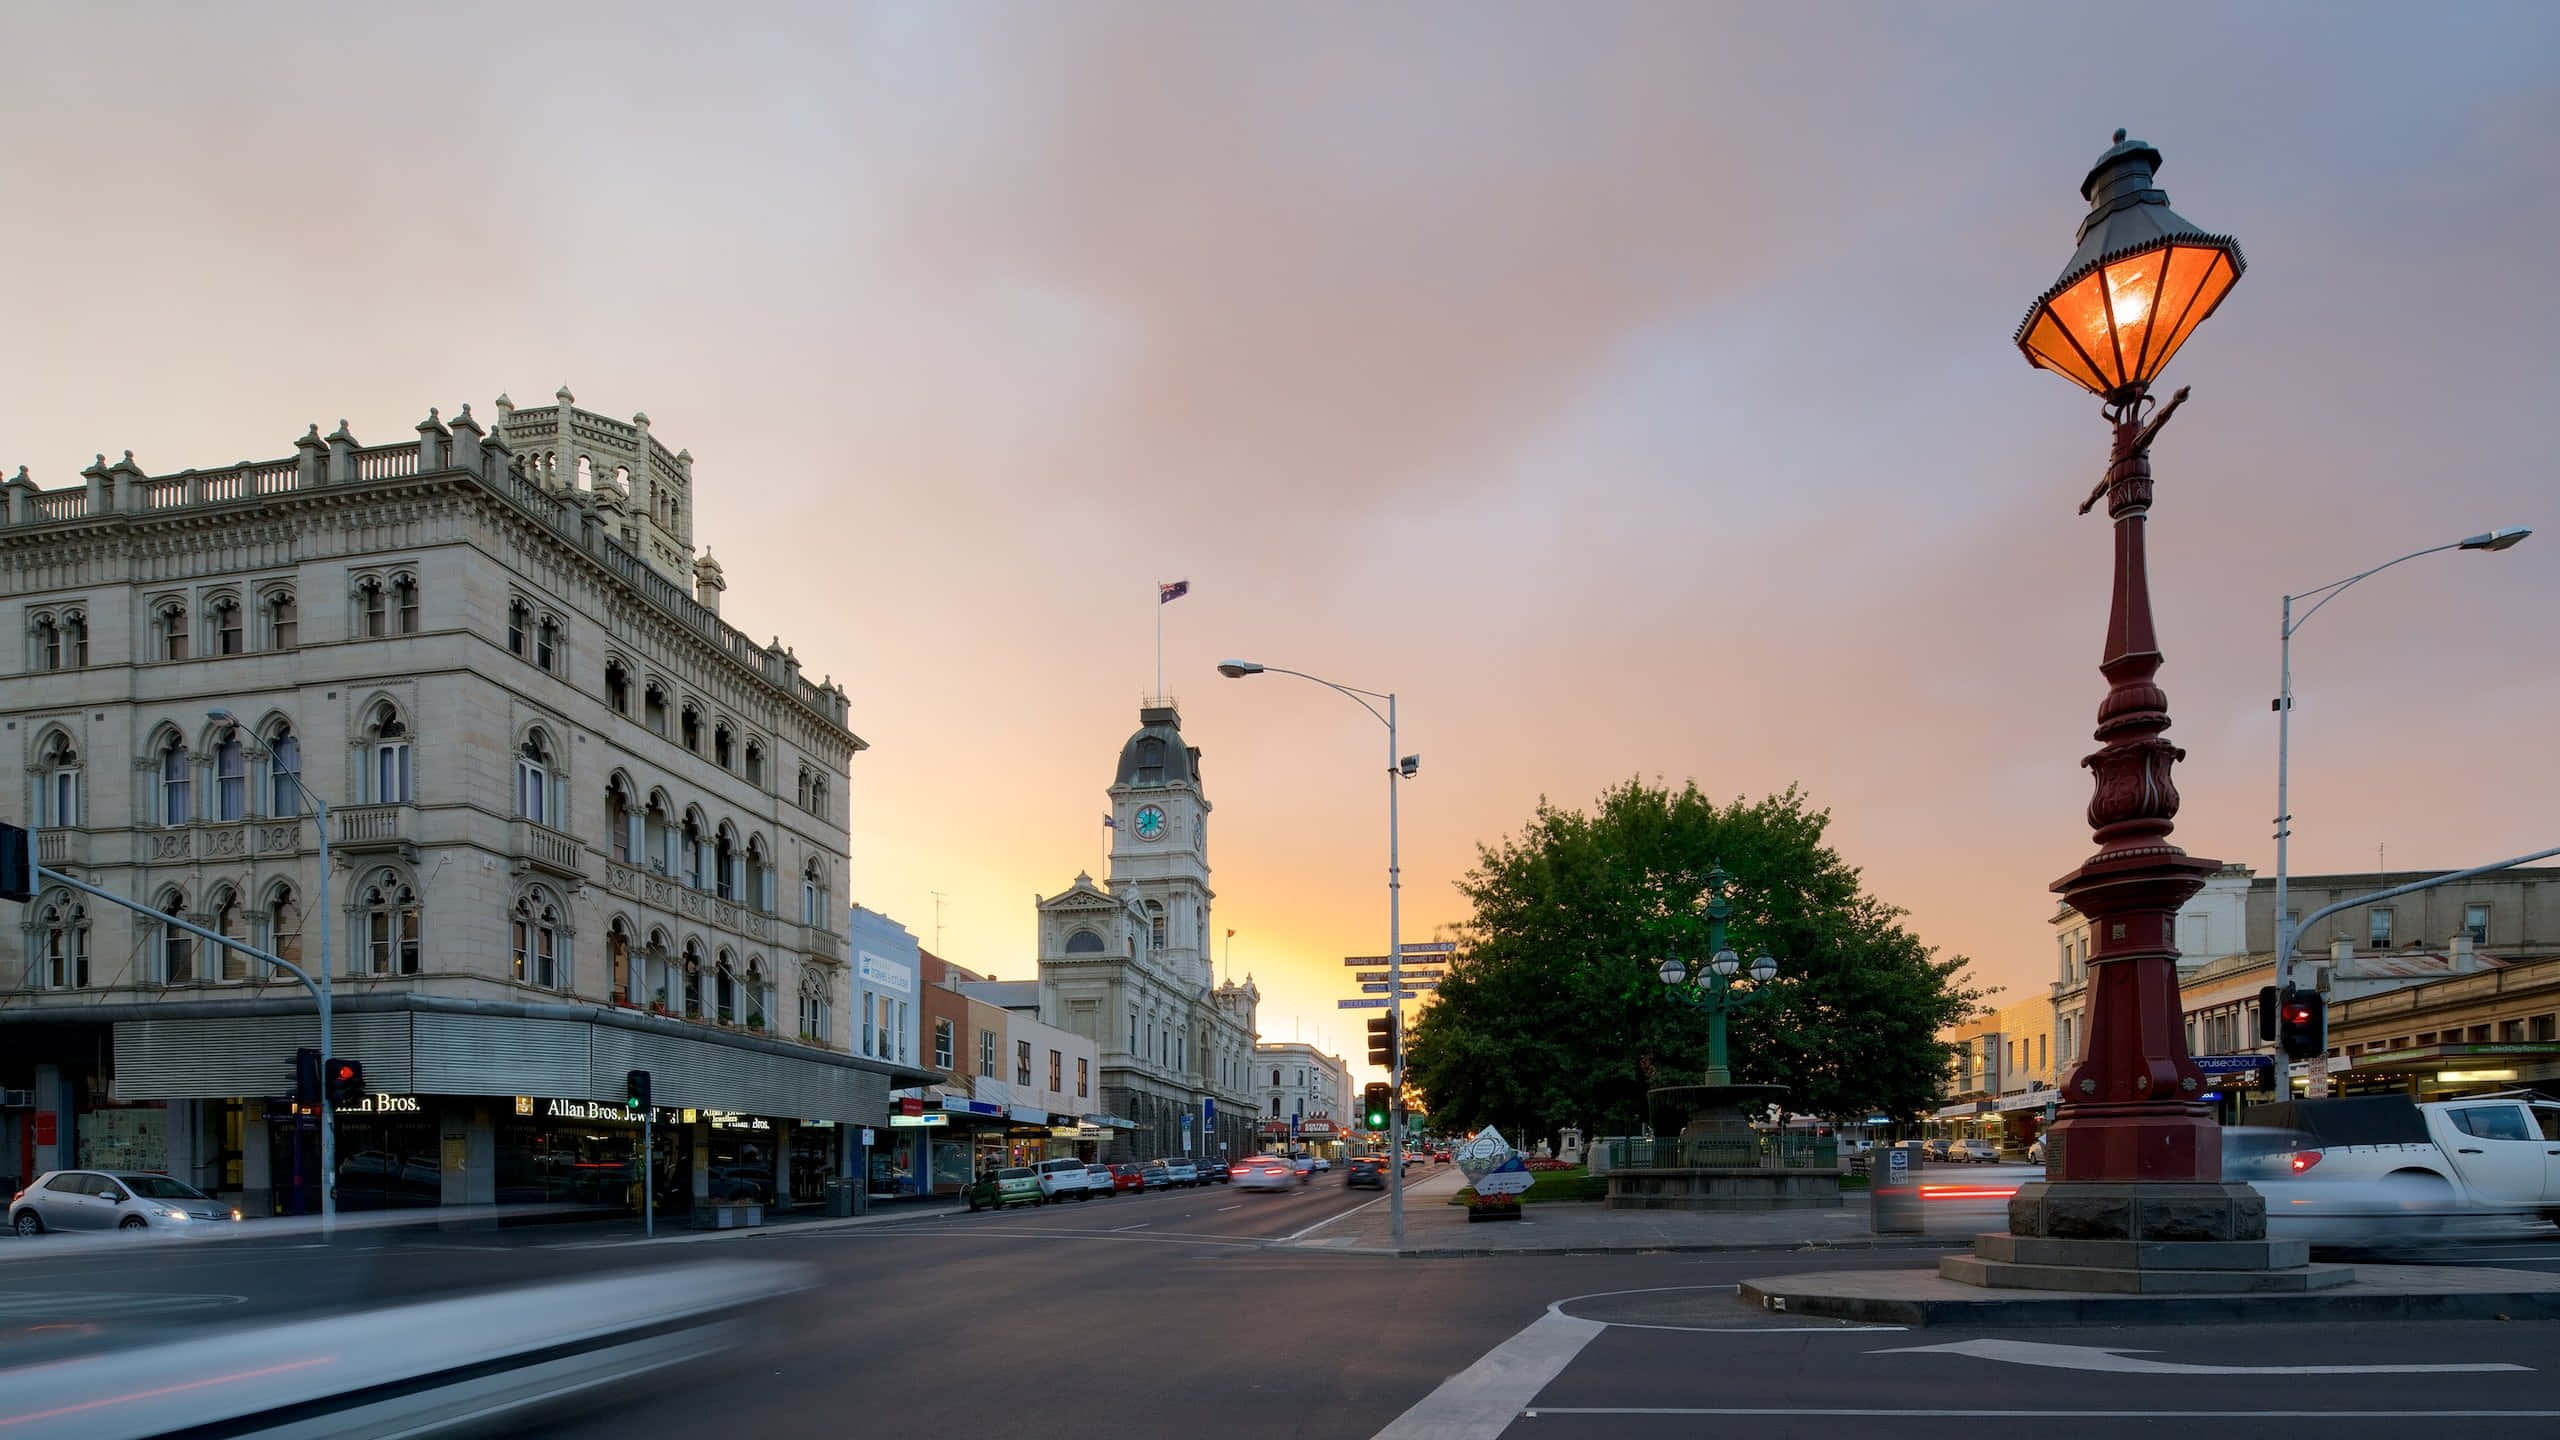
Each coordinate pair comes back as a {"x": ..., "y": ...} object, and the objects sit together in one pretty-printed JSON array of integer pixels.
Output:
[{"x": 1159, "y": 642}]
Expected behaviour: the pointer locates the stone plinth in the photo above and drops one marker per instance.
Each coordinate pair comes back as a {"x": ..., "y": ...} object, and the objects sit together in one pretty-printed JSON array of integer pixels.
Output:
[
  {"x": 1700, "y": 1188},
  {"x": 2185, "y": 1238},
  {"x": 2216, "y": 1210}
]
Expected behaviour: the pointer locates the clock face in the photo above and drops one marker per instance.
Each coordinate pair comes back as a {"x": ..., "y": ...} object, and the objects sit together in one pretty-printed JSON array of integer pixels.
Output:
[{"x": 1150, "y": 823}]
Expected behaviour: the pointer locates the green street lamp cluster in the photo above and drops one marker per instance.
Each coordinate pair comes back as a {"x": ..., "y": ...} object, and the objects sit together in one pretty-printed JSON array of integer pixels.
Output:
[{"x": 1718, "y": 985}]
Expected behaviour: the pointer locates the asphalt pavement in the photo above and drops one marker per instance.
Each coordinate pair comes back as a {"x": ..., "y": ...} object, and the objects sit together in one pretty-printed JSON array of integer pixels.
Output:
[{"x": 1178, "y": 1312}]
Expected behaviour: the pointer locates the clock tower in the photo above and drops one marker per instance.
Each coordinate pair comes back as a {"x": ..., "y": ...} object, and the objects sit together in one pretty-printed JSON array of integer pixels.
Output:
[{"x": 1160, "y": 848}]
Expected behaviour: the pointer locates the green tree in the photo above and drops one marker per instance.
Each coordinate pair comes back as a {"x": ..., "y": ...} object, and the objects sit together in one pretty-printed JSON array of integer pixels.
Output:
[{"x": 1552, "y": 1013}]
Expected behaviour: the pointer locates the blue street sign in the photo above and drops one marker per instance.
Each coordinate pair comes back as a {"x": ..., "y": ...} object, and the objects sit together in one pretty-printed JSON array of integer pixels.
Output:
[
  {"x": 1411, "y": 987},
  {"x": 1381, "y": 1003},
  {"x": 1209, "y": 1108}
]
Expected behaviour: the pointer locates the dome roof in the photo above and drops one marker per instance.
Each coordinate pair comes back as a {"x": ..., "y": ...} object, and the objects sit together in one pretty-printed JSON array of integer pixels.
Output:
[{"x": 1155, "y": 755}]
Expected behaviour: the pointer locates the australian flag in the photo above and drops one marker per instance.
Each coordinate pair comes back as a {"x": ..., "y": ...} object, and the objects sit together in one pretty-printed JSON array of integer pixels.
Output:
[
  {"x": 1167, "y": 594},
  {"x": 1109, "y": 823}
]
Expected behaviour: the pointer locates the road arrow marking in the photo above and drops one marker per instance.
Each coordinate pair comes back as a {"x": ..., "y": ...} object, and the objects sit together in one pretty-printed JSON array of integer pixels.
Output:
[{"x": 2130, "y": 1362}]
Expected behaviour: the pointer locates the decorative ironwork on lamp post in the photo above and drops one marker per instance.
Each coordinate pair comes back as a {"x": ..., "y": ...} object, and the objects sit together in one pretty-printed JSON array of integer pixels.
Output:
[
  {"x": 2139, "y": 284},
  {"x": 1718, "y": 985}
]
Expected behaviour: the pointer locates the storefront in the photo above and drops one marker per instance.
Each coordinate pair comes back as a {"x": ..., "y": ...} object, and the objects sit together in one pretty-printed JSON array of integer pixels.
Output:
[{"x": 2441, "y": 1072}]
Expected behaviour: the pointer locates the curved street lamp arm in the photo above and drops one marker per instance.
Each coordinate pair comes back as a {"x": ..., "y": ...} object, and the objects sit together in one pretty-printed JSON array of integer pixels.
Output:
[
  {"x": 2336, "y": 588},
  {"x": 1357, "y": 695}
]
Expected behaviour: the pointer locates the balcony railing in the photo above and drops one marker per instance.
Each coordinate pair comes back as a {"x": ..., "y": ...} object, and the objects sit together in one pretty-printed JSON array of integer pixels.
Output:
[
  {"x": 548, "y": 849},
  {"x": 367, "y": 828}
]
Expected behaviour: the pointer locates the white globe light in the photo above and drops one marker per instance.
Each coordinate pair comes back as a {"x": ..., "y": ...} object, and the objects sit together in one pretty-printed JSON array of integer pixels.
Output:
[
  {"x": 1764, "y": 969},
  {"x": 1726, "y": 962},
  {"x": 1672, "y": 971}
]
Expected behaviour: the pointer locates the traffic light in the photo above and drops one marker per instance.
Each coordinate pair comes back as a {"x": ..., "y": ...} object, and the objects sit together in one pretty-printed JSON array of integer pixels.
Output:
[
  {"x": 306, "y": 1076},
  {"x": 1382, "y": 1042},
  {"x": 17, "y": 865},
  {"x": 2303, "y": 1025},
  {"x": 2267, "y": 1005},
  {"x": 635, "y": 1091},
  {"x": 346, "y": 1084},
  {"x": 1374, "y": 1098}
]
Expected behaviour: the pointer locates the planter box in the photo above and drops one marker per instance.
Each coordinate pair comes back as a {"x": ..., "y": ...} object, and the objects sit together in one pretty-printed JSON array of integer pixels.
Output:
[
  {"x": 727, "y": 1215},
  {"x": 1492, "y": 1212}
]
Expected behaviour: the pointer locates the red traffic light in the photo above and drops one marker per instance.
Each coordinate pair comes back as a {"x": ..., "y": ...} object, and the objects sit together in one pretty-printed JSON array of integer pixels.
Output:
[
  {"x": 2297, "y": 1014},
  {"x": 342, "y": 1072}
]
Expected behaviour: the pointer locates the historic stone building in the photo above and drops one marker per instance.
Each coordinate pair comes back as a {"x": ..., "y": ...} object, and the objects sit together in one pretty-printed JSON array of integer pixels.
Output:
[
  {"x": 1126, "y": 963},
  {"x": 579, "y": 824}
]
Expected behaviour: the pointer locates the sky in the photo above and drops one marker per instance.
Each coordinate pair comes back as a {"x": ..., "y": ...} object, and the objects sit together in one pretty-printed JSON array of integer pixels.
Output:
[{"x": 1627, "y": 387}]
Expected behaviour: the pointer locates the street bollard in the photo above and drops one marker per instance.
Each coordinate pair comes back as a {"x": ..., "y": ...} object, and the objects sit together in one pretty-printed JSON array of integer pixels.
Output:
[{"x": 1893, "y": 1190}]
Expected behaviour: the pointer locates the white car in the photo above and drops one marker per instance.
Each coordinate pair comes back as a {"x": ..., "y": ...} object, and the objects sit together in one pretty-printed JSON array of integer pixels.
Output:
[
  {"x": 1323, "y": 1165},
  {"x": 112, "y": 1200},
  {"x": 1062, "y": 1180},
  {"x": 1263, "y": 1172},
  {"x": 1981, "y": 1152}
]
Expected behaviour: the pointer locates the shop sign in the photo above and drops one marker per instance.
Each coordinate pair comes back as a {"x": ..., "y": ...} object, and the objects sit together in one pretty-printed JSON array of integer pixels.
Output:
[
  {"x": 524, "y": 1104},
  {"x": 730, "y": 1120},
  {"x": 876, "y": 971},
  {"x": 383, "y": 1105},
  {"x": 918, "y": 1122},
  {"x": 1089, "y": 1132},
  {"x": 911, "y": 1105},
  {"x": 1066, "y": 1132}
]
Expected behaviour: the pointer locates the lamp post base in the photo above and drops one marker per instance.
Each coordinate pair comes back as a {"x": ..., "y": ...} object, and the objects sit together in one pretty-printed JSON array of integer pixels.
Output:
[{"x": 2207, "y": 1211}]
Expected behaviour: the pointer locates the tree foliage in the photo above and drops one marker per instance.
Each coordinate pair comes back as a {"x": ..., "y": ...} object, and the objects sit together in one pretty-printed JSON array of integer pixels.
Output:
[{"x": 1552, "y": 1013}]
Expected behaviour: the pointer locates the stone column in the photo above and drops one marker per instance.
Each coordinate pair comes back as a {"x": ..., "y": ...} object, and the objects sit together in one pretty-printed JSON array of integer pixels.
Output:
[
  {"x": 433, "y": 442},
  {"x": 342, "y": 455},
  {"x": 466, "y": 441},
  {"x": 311, "y": 459}
]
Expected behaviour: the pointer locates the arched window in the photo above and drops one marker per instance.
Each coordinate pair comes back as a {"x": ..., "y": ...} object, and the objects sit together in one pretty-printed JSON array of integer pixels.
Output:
[
  {"x": 802, "y": 795},
  {"x": 284, "y": 620},
  {"x": 692, "y": 980},
  {"x": 617, "y": 687},
  {"x": 758, "y": 999},
  {"x": 228, "y": 637},
  {"x": 231, "y": 921},
  {"x": 533, "y": 779},
  {"x": 369, "y": 607},
  {"x": 177, "y": 947},
  {"x": 813, "y": 895},
  {"x": 622, "y": 820},
  {"x": 230, "y": 776},
  {"x": 404, "y": 597},
  {"x": 65, "y": 923},
  {"x": 818, "y": 795},
  {"x": 57, "y": 782},
  {"x": 173, "y": 630},
  {"x": 1084, "y": 942},
  {"x": 662, "y": 835},
  {"x": 1155, "y": 925},
  {"x": 759, "y": 876},
  {"x": 283, "y": 924},
  {"x": 538, "y": 948},
  {"x": 586, "y": 474},
  {"x": 48, "y": 644},
  {"x": 390, "y": 925},
  {"x": 75, "y": 640},
  {"x": 387, "y": 773},
  {"x": 727, "y": 864},
  {"x": 1151, "y": 759},
  {"x": 814, "y": 1019},
  {"x": 755, "y": 764},
  {"x": 519, "y": 620},
  {"x": 617, "y": 955},
  {"x": 653, "y": 709},
  {"x": 693, "y": 861},
  {"x": 657, "y": 972},
  {"x": 690, "y": 731},
  {"x": 546, "y": 645},
  {"x": 177, "y": 782},
  {"x": 724, "y": 746},
  {"x": 724, "y": 991},
  {"x": 284, "y": 771}
]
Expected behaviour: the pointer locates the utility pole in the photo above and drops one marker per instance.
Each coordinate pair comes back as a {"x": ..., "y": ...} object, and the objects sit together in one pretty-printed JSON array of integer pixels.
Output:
[{"x": 937, "y": 922}]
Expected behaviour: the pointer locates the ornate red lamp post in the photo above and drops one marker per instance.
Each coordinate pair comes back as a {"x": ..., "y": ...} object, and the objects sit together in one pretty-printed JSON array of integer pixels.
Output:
[{"x": 2133, "y": 1155}]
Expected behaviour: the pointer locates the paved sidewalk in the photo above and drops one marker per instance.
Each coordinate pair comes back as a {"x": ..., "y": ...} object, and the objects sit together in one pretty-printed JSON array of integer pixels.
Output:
[{"x": 1434, "y": 1227}]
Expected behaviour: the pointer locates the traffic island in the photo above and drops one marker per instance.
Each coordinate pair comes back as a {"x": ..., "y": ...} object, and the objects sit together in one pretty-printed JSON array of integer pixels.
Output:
[{"x": 2366, "y": 1293}]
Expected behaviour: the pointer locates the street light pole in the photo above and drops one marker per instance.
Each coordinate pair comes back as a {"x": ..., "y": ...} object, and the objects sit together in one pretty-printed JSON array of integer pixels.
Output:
[
  {"x": 1399, "y": 768},
  {"x": 2287, "y": 929}
]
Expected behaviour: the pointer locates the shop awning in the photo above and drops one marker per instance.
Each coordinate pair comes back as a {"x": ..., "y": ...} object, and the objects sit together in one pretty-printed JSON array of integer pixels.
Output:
[
  {"x": 1962, "y": 1110},
  {"x": 1108, "y": 1122},
  {"x": 2031, "y": 1100}
]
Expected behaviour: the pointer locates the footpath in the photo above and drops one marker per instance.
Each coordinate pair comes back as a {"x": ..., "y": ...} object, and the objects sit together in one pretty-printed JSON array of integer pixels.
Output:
[{"x": 1434, "y": 1227}]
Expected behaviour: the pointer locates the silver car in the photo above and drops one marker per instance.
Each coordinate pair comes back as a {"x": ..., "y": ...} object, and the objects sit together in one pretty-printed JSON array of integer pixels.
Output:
[{"x": 112, "y": 1200}]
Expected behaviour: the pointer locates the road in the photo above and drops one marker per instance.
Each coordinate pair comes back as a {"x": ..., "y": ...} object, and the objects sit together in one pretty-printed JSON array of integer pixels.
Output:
[{"x": 1168, "y": 1313}]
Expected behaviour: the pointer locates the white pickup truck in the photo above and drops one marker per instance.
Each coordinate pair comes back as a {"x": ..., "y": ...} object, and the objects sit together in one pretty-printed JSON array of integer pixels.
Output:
[{"x": 2492, "y": 1153}]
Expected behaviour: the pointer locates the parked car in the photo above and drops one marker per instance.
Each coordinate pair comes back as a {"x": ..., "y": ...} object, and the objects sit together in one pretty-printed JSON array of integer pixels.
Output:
[
  {"x": 1097, "y": 1178},
  {"x": 1979, "y": 1152},
  {"x": 1125, "y": 1177},
  {"x": 1938, "y": 1148},
  {"x": 1323, "y": 1164},
  {"x": 1184, "y": 1173},
  {"x": 111, "y": 1200},
  {"x": 1263, "y": 1172},
  {"x": 1156, "y": 1176},
  {"x": 1062, "y": 1180},
  {"x": 1012, "y": 1185},
  {"x": 2035, "y": 1152},
  {"x": 1365, "y": 1171},
  {"x": 1213, "y": 1172}
]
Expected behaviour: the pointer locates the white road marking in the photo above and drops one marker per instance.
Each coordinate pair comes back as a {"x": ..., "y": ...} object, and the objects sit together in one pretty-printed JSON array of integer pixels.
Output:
[
  {"x": 1223, "y": 1209},
  {"x": 1329, "y": 1219},
  {"x": 100, "y": 1305},
  {"x": 2121, "y": 1361},
  {"x": 1481, "y": 1401},
  {"x": 1124, "y": 1229}
]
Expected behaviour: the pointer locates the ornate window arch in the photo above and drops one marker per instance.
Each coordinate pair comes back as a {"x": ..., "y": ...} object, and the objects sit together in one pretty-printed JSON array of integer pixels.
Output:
[
  {"x": 813, "y": 893},
  {"x": 284, "y": 768},
  {"x": 57, "y": 780},
  {"x": 693, "y": 979},
  {"x": 176, "y": 777},
  {"x": 387, "y": 906},
  {"x": 724, "y": 988},
  {"x": 815, "y": 1005},
  {"x": 759, "y": 995},
  {"x": 175, "y": 948},
  {"x": 1155, "y": 925},
  {"x": 372, "y": 608},
  {"x": 230, "y": 755},
  {"x": 538, "y": 779},
  {"x": 617, "y": 685},
  {"x": 227, "y": 916},
  {"x": 657, "y": 969},
  {"x": 662, "y": 834},
  {"x": 404, "y": 601},
  {"x": 169, "y": 628},
  {"x": 75, "y": 639},
  {"x": 1084, "y": 942},
  {"x": 694, "y": 850},
  {"x": 228, "y": 624},
  {"x": 387, "y": 770},
  {"x": 804, "y": 791},
  {"x": 728, "y": 863},
  {"x": 754, "y": 768},
  {"x": 818, "y": 795},
  {"x": 62, "y": 935},
  {"x": 724, "y": 745},
  {"x": 653, "y": 706},
  {"x": 44, "y": 642},
  {"x": 519, "y": 624},
  {"x": 280, "y": 925},
  {"x": 759, "y": 875},
  {"x": 689, "y": 727},
  {"x": 619, "y": 960},
  {"x": 549, "y": 654},
  {"x": 622, "y": 819},
  {"x": 281, "y": 614},
  {"x": 541, "y": 940}
]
